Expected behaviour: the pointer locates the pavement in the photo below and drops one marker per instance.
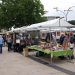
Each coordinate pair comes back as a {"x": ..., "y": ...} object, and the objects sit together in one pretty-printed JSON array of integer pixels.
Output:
[{"x": 12, "y": 63}]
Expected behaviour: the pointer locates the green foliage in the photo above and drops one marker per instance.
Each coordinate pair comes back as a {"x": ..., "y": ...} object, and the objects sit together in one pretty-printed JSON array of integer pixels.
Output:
[
  {"x": 72, "y": 22},
  {"x": 20, "y": 13}
]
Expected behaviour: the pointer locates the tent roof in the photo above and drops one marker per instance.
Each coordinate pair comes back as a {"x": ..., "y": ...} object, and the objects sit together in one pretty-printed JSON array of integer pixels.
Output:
[
  {"x": 50, "y": 24},
  {"x": 53, "y": 24}
]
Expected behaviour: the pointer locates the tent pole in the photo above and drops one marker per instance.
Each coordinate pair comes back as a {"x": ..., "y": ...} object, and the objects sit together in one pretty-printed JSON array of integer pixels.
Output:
[
  {"x": 60, "y": 26},
  {"x": 50, "y": 46}
]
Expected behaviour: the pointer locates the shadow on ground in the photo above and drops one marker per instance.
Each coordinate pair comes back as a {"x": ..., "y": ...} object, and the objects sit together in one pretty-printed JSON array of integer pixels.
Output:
[{"x": 52, "y": 65}]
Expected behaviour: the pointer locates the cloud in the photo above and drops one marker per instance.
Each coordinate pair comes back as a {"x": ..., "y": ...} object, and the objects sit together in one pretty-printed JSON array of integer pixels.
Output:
[{"x": 62, "y": 5}]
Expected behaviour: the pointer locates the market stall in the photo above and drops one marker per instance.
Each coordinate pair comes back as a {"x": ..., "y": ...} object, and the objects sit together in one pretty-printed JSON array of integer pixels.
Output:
[
  {"x": 50, "y": 46},
  {"x": 52, "y": 53},
  {"x": 18, "y": 39}
]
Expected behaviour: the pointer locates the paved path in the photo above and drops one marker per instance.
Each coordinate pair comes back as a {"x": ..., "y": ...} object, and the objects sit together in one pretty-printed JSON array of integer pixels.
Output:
[{"x": 16, "y": 64}]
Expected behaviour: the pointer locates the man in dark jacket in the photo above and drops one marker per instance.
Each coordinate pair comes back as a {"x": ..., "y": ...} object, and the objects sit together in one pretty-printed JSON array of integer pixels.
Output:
[{"x": 62, "y": 39}]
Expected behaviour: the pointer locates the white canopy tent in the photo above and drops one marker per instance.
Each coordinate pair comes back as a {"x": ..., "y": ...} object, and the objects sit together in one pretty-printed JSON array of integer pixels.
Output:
[
  {"x": 16, "y": 29},
  {"x": 72, "y": 29},
  {"x": 19, "y": 29},
  {"x": 53, "y": 24},
  {"x": 56, "y": 25}
]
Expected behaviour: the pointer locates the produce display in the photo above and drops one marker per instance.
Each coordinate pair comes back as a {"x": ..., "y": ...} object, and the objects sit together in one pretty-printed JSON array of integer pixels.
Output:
[
  {"x": 52, "y": 53},
  {"x": 50, "y": 46}
]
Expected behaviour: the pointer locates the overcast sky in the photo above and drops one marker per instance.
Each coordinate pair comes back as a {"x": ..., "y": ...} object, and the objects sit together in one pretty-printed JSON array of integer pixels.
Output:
[{"x": 62, "y": 5}]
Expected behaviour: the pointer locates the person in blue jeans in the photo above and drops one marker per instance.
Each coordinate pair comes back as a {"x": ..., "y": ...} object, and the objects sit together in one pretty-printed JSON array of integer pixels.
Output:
[{"x": 1, "y": 43}]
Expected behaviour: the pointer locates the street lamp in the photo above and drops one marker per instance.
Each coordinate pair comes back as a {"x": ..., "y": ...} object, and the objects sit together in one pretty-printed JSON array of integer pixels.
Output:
[
  {"x": 59, "y": 10},
  {"x": 60, "y": 24},
  {"x": 67, "y": 11}
]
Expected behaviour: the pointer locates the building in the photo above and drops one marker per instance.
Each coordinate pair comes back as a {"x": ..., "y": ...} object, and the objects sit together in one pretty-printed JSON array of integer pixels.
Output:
[{"x": 52, "y": 15}]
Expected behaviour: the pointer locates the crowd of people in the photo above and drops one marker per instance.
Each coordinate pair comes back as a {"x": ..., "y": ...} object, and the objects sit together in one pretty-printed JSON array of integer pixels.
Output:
[
  {"x": 17, "y": 44},
  {"x": 65, "y": 40},
  {"x": 5, "y": 41}
]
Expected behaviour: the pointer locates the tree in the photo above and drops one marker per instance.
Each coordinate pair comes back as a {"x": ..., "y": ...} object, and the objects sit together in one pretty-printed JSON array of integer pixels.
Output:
[
  {"x": 72, "y": 22},
  {"x": 20, "y": 12}
]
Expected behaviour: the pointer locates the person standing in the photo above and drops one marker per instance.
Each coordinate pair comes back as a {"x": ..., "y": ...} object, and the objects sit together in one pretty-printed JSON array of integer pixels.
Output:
[
  {"x": 9, "y": 42},
  {"x": 62, "y": 39},
  {"x": 1, "y": 43},
  {"x": 66, "y": 41},
  {"x": 74, "y": 40},
  {"x": 71, "y": 41},
  {"x": 54, "y": 39},
  {"x": 4, "y": 38}
]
